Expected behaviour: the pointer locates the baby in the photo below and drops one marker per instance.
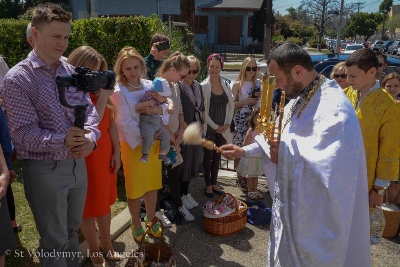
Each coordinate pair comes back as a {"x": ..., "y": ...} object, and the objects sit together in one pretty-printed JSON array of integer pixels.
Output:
[{"x": 151, "y": 124}]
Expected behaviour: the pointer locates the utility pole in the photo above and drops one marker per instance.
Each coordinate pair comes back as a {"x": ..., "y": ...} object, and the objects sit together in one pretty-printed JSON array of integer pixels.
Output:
[
  {"x": 339, "y": 28},
  {"x": 267, "y": 29},
  {"x": 358, "y": 6}
]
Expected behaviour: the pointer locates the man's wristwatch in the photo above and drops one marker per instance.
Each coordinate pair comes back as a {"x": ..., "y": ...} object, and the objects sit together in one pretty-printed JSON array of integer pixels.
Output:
[{"x": 379, "y": 191}]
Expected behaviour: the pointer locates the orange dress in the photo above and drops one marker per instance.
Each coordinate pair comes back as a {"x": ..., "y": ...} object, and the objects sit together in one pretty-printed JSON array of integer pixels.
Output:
[{"x": 102, "y": 183}]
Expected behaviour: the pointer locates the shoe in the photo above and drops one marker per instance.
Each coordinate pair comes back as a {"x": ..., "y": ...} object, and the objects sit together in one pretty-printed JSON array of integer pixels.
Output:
[
  {"x": 144, "y": 158},
  {"x": 164, "y": 158},
  {"x": 212, "y": 210},
  {"x": 218, "y": 192},
  {"x": 185, "y": 213},
  {"x": 252, "y": 195},
  {"x": 137, "y": 234},
  {"x": 259, "y": 195},
  {"x": 17, "y": 229},
  {"x": 155, "y": 230},
  {"x": 186, "y": 202},
  {"x": 210, "y": 195},
  {"x": 191, "y": 200},
  {"x": 241, "y": 183},
  {"x": 107, "y": 254},
  {"x": 164, "y": 219}
]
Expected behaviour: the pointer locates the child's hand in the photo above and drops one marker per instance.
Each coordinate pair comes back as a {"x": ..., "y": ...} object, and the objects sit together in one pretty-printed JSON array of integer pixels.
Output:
[
  {"x": 170, "y": 111},
  {"x": 151, "y": 103}
]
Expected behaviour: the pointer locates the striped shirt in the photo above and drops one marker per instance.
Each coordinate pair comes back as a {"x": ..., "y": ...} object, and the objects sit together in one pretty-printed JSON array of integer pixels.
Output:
[{"x": 37, "y": 121}]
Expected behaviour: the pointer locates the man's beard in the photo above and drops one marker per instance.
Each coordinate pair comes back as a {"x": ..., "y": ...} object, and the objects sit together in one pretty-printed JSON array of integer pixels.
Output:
[{"x": 292, "y": 89}]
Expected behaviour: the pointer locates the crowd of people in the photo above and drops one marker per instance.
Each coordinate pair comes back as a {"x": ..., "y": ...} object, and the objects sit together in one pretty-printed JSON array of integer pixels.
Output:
[{"x": 337, "y": 152}]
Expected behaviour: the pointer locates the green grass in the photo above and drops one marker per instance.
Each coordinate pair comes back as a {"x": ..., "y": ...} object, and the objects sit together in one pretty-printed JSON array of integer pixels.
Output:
[
  {"x": 232, "y": 66},
  {"x": 27, "y": 240}
]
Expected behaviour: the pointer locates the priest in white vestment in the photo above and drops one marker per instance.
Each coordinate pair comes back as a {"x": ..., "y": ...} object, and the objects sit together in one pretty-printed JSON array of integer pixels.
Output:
[{"x": 320, "y": 214}]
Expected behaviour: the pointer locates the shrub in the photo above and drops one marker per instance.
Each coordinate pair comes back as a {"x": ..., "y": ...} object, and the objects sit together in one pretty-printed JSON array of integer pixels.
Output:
[
  {"x": 314, "y": 44},
  {"x": 107, "y": 35}
]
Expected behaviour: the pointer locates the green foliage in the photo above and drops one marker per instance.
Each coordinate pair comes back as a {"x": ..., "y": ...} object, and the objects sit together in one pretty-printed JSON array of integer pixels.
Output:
[
  {"x": 314, "y": 44},
  {"x": 364, "y": 24},
  {"x": 107, "y": 35},
  {"x": 385, "y": 6},
  {"x": 10, "y": 9},
  {"x": 392, "y": 24},
  {"x": 13, "y": 46},
  {"x": 295, "y": 40}
]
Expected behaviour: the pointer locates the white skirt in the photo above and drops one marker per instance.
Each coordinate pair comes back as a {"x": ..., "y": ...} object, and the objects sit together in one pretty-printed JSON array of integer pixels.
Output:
[{"x": 250, "y": 167}]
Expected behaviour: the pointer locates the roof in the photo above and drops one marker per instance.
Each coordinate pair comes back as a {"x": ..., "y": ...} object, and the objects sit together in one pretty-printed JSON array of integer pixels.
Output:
[{"x": 249, "y": 5}]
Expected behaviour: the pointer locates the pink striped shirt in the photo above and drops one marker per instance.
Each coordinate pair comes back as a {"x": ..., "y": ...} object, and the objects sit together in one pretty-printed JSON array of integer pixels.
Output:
[{"x": 36, "y": 119}]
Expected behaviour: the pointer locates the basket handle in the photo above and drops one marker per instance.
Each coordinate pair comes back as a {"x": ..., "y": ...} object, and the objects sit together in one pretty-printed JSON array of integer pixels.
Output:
[{"x": 221, "y": 197}]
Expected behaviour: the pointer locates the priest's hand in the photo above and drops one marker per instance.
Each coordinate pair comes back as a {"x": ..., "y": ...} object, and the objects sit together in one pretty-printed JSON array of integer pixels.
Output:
[
  {"x": 273, "y": 150},
  {"x": 375, "y": 199},
  {"x": 231, "y": 151}
]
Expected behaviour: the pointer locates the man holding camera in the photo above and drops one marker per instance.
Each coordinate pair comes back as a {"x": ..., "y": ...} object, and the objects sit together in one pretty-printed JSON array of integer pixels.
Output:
[
  {"x": 42, "y": 130},
  {"x": 159, "y": 50}
]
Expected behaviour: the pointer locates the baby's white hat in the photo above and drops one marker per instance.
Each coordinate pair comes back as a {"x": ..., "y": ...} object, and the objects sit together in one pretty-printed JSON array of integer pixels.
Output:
[{"x": 161, "y": 86}]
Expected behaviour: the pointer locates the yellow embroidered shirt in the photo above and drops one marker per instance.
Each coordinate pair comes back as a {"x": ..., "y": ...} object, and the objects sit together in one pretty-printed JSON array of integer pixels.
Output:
[{"x": 379, "y": 119}]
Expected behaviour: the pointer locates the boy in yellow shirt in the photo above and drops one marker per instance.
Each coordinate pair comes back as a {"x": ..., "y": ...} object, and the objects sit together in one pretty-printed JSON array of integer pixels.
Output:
[{"x": 379, "y": 120}]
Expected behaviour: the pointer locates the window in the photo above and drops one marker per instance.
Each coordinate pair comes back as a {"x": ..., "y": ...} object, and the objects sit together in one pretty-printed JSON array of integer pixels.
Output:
[
  {"x": 176, "y": 18},
  {"x": 250, "y": 27},
  {"x": 201, "y": 24}
]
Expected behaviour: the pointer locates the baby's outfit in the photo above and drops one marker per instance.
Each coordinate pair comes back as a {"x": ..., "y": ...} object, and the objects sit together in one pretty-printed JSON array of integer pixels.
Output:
[{"x": 150, "y": 124}]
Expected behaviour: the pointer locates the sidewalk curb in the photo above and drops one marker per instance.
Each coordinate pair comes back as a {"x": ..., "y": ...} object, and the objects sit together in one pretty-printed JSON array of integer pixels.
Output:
[{"x": 118, "y": 225}]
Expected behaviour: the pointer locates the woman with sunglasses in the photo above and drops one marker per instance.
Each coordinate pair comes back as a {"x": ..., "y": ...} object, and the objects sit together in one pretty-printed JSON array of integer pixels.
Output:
[
  {"x": 246, "y": 91},
  {"x": 191, "y": 98},
  {"x": 219, "y": 108},
  {"x": 339, "y": 75}
]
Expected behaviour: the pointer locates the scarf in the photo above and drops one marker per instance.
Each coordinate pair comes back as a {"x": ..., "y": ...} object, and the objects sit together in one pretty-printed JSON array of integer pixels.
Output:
[{"x": 194, "y": 95}]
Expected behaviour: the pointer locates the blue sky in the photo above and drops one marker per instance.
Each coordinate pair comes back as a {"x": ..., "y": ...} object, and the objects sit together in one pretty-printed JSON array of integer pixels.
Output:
[{"x": 369, "y": 6}]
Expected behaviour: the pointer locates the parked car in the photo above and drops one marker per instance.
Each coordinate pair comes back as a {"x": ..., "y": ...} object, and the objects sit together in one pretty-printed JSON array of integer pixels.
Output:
[
  {"x": 324, "y": 63},
  {"x": 350, "y": 48},
  {"x": 393, "y": 48},
  {"x": 385, "y": 46},
  {"x": 376, "y": 45}
]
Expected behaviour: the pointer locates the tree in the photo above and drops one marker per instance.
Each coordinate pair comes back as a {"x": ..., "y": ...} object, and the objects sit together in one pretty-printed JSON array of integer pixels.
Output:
[
  {"x": 10, "y": 9},
  {"x": 384, "y": 8},
  {"x": 393, "y": 24},
  {"x": 321, "y": 13},
  {"x": 364, "y": 24}
]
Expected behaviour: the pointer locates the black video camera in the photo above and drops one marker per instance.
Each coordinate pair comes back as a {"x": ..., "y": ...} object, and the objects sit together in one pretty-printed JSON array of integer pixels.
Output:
[{"x": 88, "y": 81}]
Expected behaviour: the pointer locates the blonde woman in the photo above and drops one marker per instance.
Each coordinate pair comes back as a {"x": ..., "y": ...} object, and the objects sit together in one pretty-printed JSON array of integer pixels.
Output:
[
  {"x": 246, "y": 91},
  {"x": 141, "y": 179},
  {"x": 219, "y": 108},
  {"x": 339, "y": 75},
  {"x": 102, "y": 164}
]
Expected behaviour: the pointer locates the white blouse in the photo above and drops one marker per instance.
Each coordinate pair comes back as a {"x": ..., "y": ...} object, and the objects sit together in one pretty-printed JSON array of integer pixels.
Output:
[{"x": 127, "y": 118}]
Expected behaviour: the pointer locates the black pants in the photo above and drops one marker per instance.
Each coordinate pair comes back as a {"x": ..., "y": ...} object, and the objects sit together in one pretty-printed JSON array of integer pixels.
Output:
[
  {"x": 177, "y": 186},
  {"x": 10, "y": 202},
  {"x": 212, "y": 159}
]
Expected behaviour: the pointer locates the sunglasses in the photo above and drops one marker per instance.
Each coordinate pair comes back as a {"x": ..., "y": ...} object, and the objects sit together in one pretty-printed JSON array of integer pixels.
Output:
[
  {"x": 182, "y": 76},
  {"x": 251, "y": 68},
  {"x": 380, "y": 65},
  {"x": 193, "y": 71},
  {"x": 337, "y": 76}
]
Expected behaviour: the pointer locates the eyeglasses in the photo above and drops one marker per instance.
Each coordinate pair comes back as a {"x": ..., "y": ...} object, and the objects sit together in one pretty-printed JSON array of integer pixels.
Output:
[
  {"x": 193, "y": 71},
  {"x": 337, "y": 76},
  {"x": 251, "y": 68},
  {"x": 380, "y": 65},
  {"x": 182, "y": 76}
]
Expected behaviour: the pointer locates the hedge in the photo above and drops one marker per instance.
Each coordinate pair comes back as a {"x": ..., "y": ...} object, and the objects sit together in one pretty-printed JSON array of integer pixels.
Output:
[{"x": 107, "y": 35}]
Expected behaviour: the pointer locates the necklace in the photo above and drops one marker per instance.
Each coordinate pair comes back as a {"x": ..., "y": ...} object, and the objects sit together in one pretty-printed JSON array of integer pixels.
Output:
[
  {"x": 136, "y": 87},
  {"x": 300, "y": 106}
]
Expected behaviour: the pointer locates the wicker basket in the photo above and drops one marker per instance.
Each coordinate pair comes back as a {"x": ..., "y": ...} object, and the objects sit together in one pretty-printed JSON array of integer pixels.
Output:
[
  {"x": 392, "y": 222},
  {"x": 229, "y": 224}
]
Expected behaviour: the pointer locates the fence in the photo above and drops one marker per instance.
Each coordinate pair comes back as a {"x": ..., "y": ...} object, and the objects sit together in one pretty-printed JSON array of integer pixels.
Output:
[{"x": 237, "y": 52}]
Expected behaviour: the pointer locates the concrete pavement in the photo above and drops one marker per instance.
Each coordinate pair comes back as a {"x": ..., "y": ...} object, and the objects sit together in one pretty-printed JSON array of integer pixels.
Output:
[{"x": 194, "y": 247}]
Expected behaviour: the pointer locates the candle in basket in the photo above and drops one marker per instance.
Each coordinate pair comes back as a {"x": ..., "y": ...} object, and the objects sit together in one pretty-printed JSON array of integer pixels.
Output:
[{"x": 264, "y": 94}]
